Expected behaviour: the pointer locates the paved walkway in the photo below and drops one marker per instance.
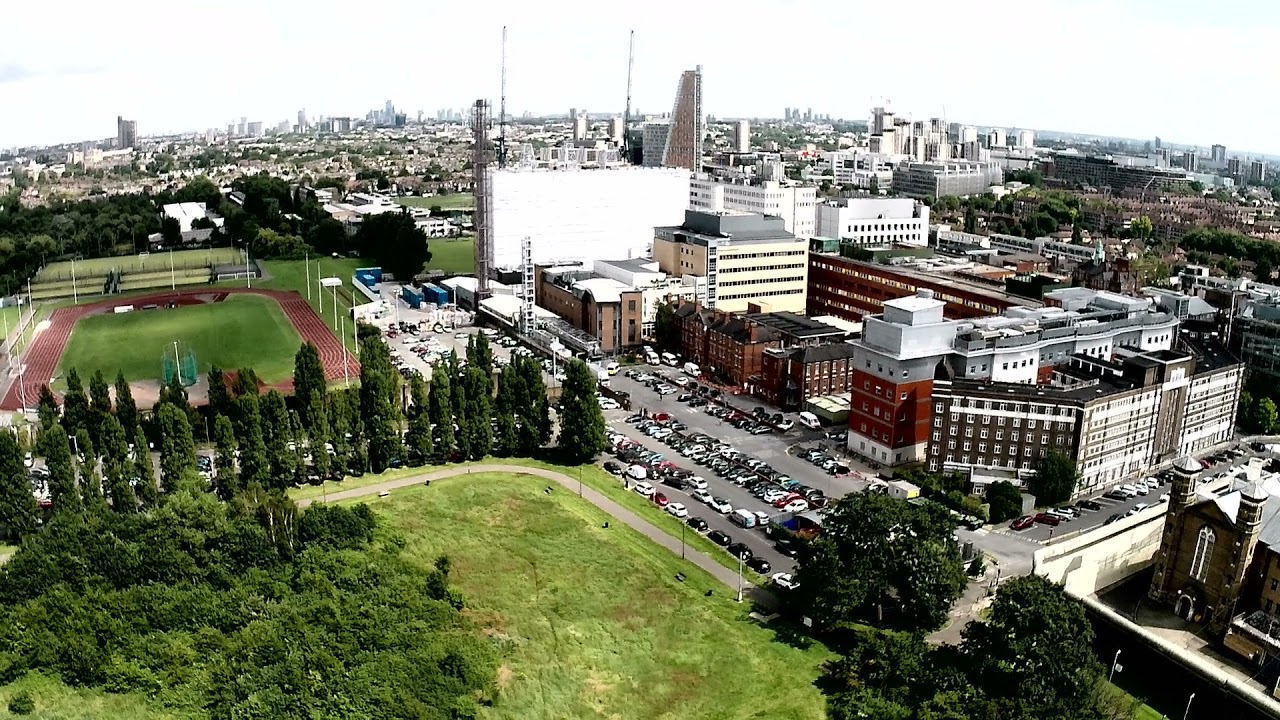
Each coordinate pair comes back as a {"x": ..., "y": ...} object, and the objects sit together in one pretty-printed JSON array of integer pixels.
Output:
[{"x": 619, "y": 513}]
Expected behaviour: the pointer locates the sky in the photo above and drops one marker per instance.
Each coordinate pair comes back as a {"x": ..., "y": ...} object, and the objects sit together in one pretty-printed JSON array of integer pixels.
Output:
[{"x": 1191, "y": 72}]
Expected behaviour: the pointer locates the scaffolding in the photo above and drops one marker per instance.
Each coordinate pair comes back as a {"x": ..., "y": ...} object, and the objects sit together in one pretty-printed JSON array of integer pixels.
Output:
[
  {"x": 483, "y": 193},
  {"x": 528, "y": 320}
]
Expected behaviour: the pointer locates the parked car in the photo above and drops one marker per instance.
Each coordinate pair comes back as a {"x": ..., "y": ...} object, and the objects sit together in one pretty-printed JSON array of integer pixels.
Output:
[
  {"x": 1048, "y": 519},
  {"x": 677, "y": 509},
  {"x": 786, "y": 547},
  {"x": 1089, "y": 505},
  {"x": 644, "y": 488},
  {"x": 612, "y": 467},
  {"x": 760, "y": 565},
  {"x": 740, "y": 551},
  {"x": 697, "y": 524},
  {"x": 719, "y": 538},
  {"x": 720, "y": 505},
  {"x": 1023, "y": 522},
  {"x": 701, "y": 496},
  {"x": 660, "y": 500},
  {"x": 784, "y": 581}
]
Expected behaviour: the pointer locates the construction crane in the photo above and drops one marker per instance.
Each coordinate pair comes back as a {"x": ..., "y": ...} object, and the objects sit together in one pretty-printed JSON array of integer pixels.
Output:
[
  {"x": 626, "y": 113},
  {"x": 502, "y": 106}
]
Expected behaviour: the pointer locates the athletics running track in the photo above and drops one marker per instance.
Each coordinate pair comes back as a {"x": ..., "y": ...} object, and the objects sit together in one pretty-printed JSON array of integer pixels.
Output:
[{"x": 42, "y": 356}]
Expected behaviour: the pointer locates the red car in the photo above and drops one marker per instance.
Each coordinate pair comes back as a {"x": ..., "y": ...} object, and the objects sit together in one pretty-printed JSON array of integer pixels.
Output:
[
  {"x": 1047, "y": 519},
  {"x": 660, "y": 499},
  {"x": 782, "y": 501},
  {"x": 1023, "y": 522}
]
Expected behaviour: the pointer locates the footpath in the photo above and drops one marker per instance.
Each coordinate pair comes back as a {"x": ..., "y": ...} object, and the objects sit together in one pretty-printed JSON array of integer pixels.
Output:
[{"x": 726, "y": 576}]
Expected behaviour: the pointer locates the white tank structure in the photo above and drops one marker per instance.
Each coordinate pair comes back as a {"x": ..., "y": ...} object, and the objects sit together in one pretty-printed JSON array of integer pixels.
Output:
[{"x": 583, "y": 214}]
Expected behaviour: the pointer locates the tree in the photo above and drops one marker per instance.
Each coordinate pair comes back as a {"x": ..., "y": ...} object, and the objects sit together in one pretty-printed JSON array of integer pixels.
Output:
[
  {"x": 147, "y": 490},
  {"x": 254, "y": 466},
  {"x": 219, "y": 393},
  {"x": 881, "y": 556},
  {"x": 177, "y": 445},
  {"x": 75, "y": 405},
  {"x": 225, "y": 482},
  {"x": 1055, "y": 479},
  {"x": 440, "y": 414},
  {"x": 1033, "y": 656},
  {"x": 379, "y": 406},
  {"x": 1263, "y": 270},
  {"x": 126, "y": 407},
  {"x": 666, "y": 328},
  {"x": 116, "y": 466},
  {"x": 90, "y": 481},
  {"x": 506, "y": 439},
  {"x": 47, "y": 408},
  {"x": 476, "y": 431},
  {"x": 56, "y": 449},
  {"x": 1005, "y": 501},
  {"x": 532, "y": 405},
  {"x": 395, "y": 242},
  {"x": 276, "y": 437},
  {"x": 481, "y": 353},
  {"x": 582, "y": 433},
  {"x": 170, "y": 231},
  {"x": 1077, "y": 233},
  {"x": 970, "y": 220},
  {"x": 418, "y": 438},
  {"x": 99, "y": 404},
  {"x": 309, "y": 386},
  {"x": 1140, "y": 227},
  {"x": 18, "y": 509}
]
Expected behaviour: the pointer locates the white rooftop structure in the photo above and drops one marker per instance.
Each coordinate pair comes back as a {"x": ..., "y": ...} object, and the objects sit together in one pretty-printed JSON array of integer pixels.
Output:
[
  {"x": 188, "y": 212},
  {"x": 602, "y": 289}
]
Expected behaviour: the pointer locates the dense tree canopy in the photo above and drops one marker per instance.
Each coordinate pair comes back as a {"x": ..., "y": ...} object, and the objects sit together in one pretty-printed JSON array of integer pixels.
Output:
[
  {"x": 881, "y": 560},
  {"x": 1055, "y": 479},
  {"x": 582, "y": 433}
]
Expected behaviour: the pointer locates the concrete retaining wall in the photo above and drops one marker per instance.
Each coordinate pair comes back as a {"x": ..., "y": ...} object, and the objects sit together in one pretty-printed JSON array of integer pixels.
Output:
[{"x": 1102, "y": 557}]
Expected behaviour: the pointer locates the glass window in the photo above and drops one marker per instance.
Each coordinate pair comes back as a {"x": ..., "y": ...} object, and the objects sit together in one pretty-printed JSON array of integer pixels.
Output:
[{"x": 1203, "y": 555}]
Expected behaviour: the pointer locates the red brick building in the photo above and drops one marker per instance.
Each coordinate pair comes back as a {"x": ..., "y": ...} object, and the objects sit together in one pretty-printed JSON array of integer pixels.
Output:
[
  {"x": 852, "y": 289},
  {"x": 790, "y": 376}
]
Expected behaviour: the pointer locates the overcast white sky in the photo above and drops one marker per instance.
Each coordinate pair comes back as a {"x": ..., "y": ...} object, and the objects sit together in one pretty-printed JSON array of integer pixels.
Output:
[{"x": 1191, "y": 72}]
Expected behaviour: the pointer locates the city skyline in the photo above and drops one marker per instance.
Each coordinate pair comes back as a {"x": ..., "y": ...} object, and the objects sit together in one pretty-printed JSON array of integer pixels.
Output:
[{"x": 277, "y": 65}]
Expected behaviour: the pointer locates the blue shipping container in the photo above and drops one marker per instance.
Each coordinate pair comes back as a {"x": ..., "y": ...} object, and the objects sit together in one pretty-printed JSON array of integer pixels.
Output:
[
  {"x": 412, "y": 297},
  {"x": 373, "y": 272},
  {"x": 435, "y": 294}
]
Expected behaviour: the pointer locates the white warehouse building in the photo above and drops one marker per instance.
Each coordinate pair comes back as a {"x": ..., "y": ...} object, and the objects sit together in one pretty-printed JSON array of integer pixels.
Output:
[{"x": 583, "y": 215}]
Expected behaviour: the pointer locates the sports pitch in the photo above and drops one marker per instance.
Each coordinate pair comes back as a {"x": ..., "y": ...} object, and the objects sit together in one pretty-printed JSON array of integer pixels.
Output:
[
  {"x": 241, "y": 331},
  {"x": 89, "y": 270}
]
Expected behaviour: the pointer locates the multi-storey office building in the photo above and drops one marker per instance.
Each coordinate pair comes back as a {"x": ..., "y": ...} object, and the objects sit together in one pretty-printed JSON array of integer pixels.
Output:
[
  {"x": 795, "y": 204},
  {"x": 746, "y": 258},
  {"x": 943, "y": 179},
  {"x": 1076, "y": 169},
  {"x": 1114, "y": 419},
  {"x": 852, "y": 289},
  {"x": 1021, "y": 346},
  {"x": 865, "y": 222}
]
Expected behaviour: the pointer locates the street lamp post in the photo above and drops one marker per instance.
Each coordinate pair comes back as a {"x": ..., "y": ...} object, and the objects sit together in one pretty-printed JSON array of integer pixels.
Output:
[
  {"x": 1186, "y": 713},
  {"x": 740, "y": 578},
  {"x": 1114, "y": 662},
  {"x": 682, "y": 527}
]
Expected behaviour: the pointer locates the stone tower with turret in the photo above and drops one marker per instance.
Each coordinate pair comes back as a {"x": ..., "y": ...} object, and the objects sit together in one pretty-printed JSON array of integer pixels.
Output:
[
  {"x": 1185, "y": 472},
  {"x": 1253, "y": 499}
]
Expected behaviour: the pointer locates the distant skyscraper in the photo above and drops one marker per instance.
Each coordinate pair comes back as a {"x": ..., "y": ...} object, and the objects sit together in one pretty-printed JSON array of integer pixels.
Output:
[
  {"x": 684, "y": 140},
  {"x": 243, "y": 128},
  {"x": 616, "y": 129},
  {"x": 1218, "y": 153},
  {"x": 1159, "y": 144},
  {"x": 302, "y": 120},
  {"x": 573, "y": 114},
  {"x": 580, "y": 127},
  {"x": 126, "y": 132},
  {"x": 1189, "y": 161},
  {"x": 742, "y": 137},
  {"x": 1257, "y": 171}
]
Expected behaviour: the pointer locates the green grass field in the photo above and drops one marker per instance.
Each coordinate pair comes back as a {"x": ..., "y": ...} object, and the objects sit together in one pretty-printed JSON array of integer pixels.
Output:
[
  {"x": 55, "y": 700},
  {"x": 591, "y": 622},
  {"x": 453, "y": 201},
  {"x": 89, "y": 270},
  {"x": 239, "y": 332},
  {"x": 453, "y": 256},
  {"x": 292, "y": 275}
]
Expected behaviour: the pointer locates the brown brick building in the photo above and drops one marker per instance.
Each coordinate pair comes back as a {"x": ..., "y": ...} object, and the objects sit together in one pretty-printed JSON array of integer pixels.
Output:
[
  {"x": 731, "y": 347},
  {"x": 603, "y": 308},
  {"x": 851, "y": 289},
  {"x": 790, "y": 376}
]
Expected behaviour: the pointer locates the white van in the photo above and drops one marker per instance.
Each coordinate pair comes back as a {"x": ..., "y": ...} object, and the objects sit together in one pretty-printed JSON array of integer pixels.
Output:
[
  {"x": 810, "y": 421},
  {"x": 611, "y": 368},
  {"x": 691, "y": 369},
  {"x": 603, "y": 378},
  {"x": 745, "y": 518},
  {"x": 669, "y": 359},
  {"x": 637, "y": 472}
]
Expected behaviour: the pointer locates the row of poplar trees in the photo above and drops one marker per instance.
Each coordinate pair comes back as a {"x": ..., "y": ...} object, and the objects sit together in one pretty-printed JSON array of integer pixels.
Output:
[{"x": 97, "y": 444}]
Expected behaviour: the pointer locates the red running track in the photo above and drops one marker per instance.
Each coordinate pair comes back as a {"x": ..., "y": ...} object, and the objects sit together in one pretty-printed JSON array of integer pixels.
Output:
[{"x": 42, "y": 356}]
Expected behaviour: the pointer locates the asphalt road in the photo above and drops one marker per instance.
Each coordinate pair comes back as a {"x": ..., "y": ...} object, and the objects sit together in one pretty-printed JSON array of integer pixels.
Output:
[{"x": 1091, "y": 519}]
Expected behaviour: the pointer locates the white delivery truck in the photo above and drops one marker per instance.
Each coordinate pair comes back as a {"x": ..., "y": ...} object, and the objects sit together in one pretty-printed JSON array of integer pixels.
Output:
[{"x": 691, "y": 369}]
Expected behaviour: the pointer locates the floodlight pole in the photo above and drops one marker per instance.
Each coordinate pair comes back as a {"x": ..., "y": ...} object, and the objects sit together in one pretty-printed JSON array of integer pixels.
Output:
[
  {"x": 177, "y": 362},
  {"x": 306, "y": 259},
  {"x": 345, "y": 375},
  {"x": 173, "y": 278},
  {"x": 335, "y": 306},
  {"x": 75, "y": 296}
]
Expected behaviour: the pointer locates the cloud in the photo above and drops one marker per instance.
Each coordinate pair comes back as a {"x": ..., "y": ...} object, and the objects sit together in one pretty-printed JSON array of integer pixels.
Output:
[
  {"x": 14, "y": 73},
  {"x": 72, "y": 70}
]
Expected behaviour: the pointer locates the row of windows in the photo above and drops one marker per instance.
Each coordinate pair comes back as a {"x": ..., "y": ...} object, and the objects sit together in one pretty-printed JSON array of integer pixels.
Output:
[
  {"x": 1014, "y": 437},
  {"x": 907, "y": 288},
  {"x": 761, "y": 268},
  {"x": 982, "y": 449},
  {"x": 733, "y": 283},
  {"x": 751, "y": 256},
  {"x": 961, "y": 404},
  {"x": 772, "y": 293}
]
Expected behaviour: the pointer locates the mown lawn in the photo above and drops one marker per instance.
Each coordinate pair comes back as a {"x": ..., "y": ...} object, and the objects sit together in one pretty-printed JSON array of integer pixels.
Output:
[
  {"x": 591, "y": 621},
  {"x": 453, "y": 255},
  {"x": 53, "y": 699},
  {"x": 452, "y": 201}
]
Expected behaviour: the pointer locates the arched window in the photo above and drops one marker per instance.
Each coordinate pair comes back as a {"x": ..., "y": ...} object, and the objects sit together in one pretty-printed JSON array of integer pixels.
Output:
[{"x": 1203, "y": 554}]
